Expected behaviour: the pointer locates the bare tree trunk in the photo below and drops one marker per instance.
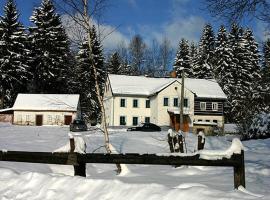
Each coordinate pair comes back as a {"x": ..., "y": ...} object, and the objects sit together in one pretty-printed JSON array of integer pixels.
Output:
[{"x": 100, "y": 100}]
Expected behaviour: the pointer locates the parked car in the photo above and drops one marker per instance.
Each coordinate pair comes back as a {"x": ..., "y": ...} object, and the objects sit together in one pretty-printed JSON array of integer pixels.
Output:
[
  {"x": 78, "y": 125},
  {"x": 145, "y": 127}
]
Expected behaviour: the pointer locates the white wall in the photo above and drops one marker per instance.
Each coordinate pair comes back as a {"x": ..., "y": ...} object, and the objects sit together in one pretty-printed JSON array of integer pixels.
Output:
[
  {"x": 20, "y": 117},
  {"x": 171, "y": 92},
  {"x": 129, "y": 111}
]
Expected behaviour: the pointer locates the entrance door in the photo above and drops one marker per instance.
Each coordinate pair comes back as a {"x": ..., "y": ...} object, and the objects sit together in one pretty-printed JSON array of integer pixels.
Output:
[
  {"x": 39, "y": 120},
  {"x": 186, "y": 124},
  {"x": 68, "y": 119}
]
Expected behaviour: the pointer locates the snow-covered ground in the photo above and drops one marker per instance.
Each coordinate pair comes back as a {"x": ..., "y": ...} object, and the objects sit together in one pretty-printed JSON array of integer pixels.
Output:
[{"x": 41, "y": 181}]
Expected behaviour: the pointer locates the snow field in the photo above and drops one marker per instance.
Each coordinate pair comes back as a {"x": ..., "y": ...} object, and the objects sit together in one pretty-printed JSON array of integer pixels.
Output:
[{"x": 42, "y": 181}]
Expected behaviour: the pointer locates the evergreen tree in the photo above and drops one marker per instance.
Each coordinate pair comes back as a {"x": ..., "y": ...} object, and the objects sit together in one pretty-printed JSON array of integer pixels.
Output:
[
  {"x": 265, "y": 73},
  {"x": 203, "y": 67},
  {"x": 114, "y": 64},
  {"x": 88, "y": 93},
  {"x": 182, "y": 59},
  {"x": 223, "y": 57},
  {"x": 244, "y": 94},
  {"x": 14, "y": 68},
  {"x": 50, "y": 50}
]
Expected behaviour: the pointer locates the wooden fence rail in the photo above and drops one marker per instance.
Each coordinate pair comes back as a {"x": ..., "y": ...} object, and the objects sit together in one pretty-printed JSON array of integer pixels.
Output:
[{"x": 79, "y": 160}]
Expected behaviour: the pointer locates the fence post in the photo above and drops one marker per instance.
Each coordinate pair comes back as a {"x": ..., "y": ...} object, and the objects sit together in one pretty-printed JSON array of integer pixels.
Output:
[
  {"x": 181, "y": 144},
  {"x": 239, "y": 171},
  {"x": 79, "y": 167},
  {"x": 201, "y": 142}
]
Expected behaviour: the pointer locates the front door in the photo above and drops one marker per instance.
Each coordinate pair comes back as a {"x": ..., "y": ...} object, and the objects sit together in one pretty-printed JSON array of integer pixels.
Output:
[
  {"x": 68, "y": 119},
  {"x": 39, "y": 120},
  {"x": 186, "y": 124}
]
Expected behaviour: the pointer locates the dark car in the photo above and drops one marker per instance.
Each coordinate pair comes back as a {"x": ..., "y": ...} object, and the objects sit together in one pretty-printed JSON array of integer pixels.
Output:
[
  {"x": 78, "y": 125},
  {"x": 145, "y": 127}
]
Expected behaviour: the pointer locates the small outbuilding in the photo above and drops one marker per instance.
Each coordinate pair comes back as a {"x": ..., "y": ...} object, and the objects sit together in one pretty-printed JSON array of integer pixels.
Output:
[{"x": 46, "y": 109}]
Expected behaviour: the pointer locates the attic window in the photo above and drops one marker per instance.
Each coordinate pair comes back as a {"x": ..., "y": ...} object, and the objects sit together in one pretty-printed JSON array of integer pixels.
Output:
[{"x": 203, "y": 105}]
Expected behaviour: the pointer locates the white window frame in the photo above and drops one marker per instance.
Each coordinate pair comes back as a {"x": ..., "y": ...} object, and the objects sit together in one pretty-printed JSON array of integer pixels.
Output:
[
  {"x": 215, "y": 106},
  {"x": 49, "y": 118},
  {"x": 19, "y": 118},
  {"x": 125, "y": 102},
  {"x": 27, "y": 118},
  {"x": 201, "y": 107}
]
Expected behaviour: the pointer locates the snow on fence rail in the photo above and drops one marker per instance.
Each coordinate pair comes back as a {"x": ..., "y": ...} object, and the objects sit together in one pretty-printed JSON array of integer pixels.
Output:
[{"x": 232, "y": 157}]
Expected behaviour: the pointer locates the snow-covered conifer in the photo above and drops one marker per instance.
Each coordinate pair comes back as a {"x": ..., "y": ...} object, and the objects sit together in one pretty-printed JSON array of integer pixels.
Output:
[
  {"x": 114, "y": 64},
  {"x": 89, "y": 101},
  {"x": 223, "y": 57},
  {"x": 182, "y": 59},
  {"x": 14, "y": 68},
  {"x": 203, "y": 67},
  {"x": 50, "y": 50}
]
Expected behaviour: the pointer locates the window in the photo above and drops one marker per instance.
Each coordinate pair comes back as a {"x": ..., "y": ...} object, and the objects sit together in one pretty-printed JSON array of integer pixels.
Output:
[
  {"x": 19, "y": 117},
  {"x": 207, "y": 120},
  {"x": 49, "y": 118},
  {"x": 215, "y": 106},
  {"x": 215, "y": 121},
  {"x": 185, "y": 102},
  {"x": 57, "y": 118},
  {"x": 147, "y": 103},
  {"x": 175, "y": 102},
  {"x": 135, "y": 103},
  {"x": 166, "y": 101},
  {"x": 147, "y": 119},
  {"x": 135, "y": 121},
  {"x": 27, "y": 118},
  {"x": 199, "y": 120},
  {"x": 122, "y": 102},
  {"x": 202, "y": 105},
  {"x": 122, "y": 120}
]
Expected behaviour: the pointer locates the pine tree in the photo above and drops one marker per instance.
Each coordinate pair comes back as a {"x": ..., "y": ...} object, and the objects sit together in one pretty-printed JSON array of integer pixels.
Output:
[
  {"x": 114, "y": 64},
  {"x": 182, "y": 59},
  {"x": 204, "y": 62},
  {"x": 88, "y": 93},
  {"x": 244, "y": 93},
  {"x": 265, "y": 74},
  {"x": 14, "y": 68},
  {"x": 223, "y": 57},
  {"x": 50, "y": 50}
]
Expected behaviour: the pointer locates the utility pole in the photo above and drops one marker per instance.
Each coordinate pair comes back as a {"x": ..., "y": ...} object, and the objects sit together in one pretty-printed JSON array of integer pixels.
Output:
[{"x": 182, "y": 101}]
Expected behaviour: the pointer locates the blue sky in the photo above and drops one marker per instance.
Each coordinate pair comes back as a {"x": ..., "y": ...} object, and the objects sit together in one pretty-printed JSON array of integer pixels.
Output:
[{"x": 152, "y": 19}]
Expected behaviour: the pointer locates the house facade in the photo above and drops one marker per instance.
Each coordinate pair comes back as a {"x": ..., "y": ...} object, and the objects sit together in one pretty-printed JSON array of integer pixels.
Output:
[
  {"x": 45, "y": 109},
  {"x": 130, "y": 100}
]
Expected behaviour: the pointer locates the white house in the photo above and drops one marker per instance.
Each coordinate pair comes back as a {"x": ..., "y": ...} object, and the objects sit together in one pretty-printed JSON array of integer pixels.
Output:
[
  {"x": 129, "y": 100},
  {"x": 45, "y": 109}
]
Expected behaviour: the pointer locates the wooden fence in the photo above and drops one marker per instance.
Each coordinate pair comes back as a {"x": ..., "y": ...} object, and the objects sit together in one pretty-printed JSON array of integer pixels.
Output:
[{"x": 79, "y": 160}]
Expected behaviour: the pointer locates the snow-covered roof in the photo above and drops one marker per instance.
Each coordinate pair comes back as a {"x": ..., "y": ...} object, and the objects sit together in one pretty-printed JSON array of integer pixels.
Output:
[
  {"x": 52, "y": 102},
  {"x": 137, "y": 85},
  {"x": 205, "y": 88},
  {"x": 5, "y": 110},
  {"x": 142, "y": 85}
]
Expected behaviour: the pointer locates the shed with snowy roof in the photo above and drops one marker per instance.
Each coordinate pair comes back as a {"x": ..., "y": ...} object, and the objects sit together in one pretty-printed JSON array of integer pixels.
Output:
[
  {"x": 129, "y": 100},
  {"x": 46, "y": 109}
]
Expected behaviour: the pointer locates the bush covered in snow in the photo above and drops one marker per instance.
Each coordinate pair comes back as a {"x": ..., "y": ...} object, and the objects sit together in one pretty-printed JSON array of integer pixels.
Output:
[{"x": 260, "y": 127}]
